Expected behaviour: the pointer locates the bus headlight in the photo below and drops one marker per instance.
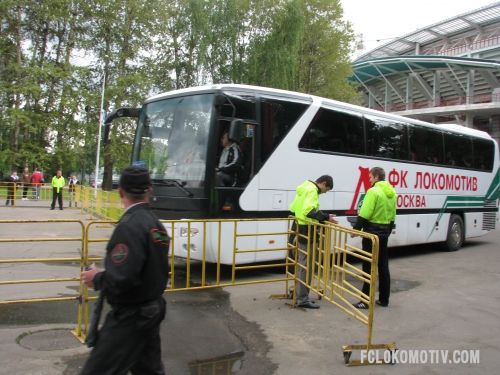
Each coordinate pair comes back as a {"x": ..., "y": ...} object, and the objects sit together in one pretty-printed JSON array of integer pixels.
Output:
[{"x": 192, "y": 232}]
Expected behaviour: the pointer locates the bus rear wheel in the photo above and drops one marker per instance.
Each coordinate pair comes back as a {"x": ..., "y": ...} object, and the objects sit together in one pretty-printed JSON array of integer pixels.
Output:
[{"x": 455, "y": 236}]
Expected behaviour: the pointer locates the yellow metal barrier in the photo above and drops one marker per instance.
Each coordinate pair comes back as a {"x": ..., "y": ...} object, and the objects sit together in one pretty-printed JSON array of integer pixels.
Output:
[
  {"x": 327, "y": 249},
  {"x": 100, "y": 205},
  {"x": 330, "y": 253},
  {"x": 215, "y": 280},
  {"x": 13, "y": 193},
  {"x": 44, "y": 258}
]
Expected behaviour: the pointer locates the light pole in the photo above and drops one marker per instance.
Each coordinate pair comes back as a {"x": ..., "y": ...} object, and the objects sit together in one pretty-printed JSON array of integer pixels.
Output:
[{"x": 101, "y": 123}]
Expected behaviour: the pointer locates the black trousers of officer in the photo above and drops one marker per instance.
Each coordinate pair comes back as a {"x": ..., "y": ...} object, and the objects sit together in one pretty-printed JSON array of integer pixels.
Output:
[
  {"x": 384, "y": 276},
  {"x": 129, "y": 340},
  {"x": 58, "y": 196}
]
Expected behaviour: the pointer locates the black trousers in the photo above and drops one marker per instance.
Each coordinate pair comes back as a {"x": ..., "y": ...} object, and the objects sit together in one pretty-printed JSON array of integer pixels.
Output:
[
  {"x": 384, "y": 276},
  {"x": 129, "y": 340},
  {"x": 25, "y": 190},
  {"x": 224, "y": 179},
  {"x": 58, "y": 196},
  {"x": 10, "y": 195}
]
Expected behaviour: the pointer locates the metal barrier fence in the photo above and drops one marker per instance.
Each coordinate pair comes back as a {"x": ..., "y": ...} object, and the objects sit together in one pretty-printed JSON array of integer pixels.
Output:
[
  {"x": 10, "y": 255},
  {"x": 227, "y": 229},
  {"x": 13, "y": 193},
  {"x": 330, "y": 255},
  {"x": 100, "y": 204},
  {"x": 16, "y": 193},
  {"x": 327, "y": 249}
]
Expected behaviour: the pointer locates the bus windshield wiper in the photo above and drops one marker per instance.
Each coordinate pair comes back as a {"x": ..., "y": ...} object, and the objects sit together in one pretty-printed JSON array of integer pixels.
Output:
[{"x": 173, "y": 183}]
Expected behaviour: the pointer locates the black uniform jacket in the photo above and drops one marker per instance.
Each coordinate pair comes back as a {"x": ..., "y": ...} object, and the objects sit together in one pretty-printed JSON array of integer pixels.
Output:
[{"x": 136, "y": 259}]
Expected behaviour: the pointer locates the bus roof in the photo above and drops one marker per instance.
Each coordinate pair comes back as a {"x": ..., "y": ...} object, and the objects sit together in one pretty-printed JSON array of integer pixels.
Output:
[
  {"x": 194, "y": 89},
  {"x": 463, "y": 129}
]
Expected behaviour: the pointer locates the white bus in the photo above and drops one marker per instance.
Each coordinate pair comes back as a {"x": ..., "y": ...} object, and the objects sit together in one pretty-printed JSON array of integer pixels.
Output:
[{"x": 447, "y": 177}]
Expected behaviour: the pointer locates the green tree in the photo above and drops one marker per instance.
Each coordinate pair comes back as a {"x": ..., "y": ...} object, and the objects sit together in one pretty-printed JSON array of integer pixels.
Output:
[
  {"x": 305, "y": 48},
  {"x": 274, "y": 53},
  {"x": 51, "y": 65},
  {"x": 38, "y": 106},
  {"x": 224, "y": 45},
  {"x": 124, "y": 38},
  {"x": 324, "y": 62}
]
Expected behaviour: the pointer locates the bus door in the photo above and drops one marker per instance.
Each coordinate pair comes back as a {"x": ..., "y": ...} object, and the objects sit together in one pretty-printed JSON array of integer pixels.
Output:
[{"x": 235, "y": 151}]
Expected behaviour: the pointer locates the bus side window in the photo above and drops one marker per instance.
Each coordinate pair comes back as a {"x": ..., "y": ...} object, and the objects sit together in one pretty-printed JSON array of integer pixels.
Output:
[
  {"x": 426, "y": 145},
  {"x": 386, "y": 139},
  {"x": 458, "y": 150},
  {"x": 335, "y": 131},
  {"x": 278, "y": 116},
  {"x": 484, "y": 154}
]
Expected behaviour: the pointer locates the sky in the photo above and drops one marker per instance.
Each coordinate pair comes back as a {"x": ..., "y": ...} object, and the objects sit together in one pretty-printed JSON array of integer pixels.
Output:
[{"x": 382, "y": 20}]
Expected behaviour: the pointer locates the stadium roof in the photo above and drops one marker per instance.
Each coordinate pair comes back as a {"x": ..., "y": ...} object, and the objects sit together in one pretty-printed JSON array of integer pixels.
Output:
[
  {"x": 438, "y": 32},
  {"x": 374, "y": 69}
]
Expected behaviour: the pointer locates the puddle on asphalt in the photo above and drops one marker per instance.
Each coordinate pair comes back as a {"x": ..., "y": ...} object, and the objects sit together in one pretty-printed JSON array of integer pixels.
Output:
[{"x": 223, "y": 365}]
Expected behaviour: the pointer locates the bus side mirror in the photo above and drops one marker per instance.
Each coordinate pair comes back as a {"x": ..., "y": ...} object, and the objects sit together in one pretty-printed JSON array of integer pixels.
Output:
[
  {"x": 235, "y": 130},
  {"x": 107, "y": 128},
  {"x": 128, "y": 112},
  {"x": 120, "y": 112}
]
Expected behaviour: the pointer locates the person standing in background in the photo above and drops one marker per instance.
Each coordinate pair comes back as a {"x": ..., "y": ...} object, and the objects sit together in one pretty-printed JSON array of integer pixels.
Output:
[
  {"x": 36, "y": 178},
  {"x": 25, "y": 179},
  {"x": 73, "y": 181},
  {"x": 57, "y": 189},
  {"x": 11, "y": 189}
]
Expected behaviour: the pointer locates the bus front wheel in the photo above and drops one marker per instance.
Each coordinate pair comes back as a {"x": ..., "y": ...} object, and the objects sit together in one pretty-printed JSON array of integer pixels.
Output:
[{"x": 455, "y": 236}]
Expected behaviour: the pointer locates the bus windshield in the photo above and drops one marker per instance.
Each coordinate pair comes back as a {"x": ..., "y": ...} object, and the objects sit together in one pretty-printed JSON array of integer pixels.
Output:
[{"x": 172, "y": 138}]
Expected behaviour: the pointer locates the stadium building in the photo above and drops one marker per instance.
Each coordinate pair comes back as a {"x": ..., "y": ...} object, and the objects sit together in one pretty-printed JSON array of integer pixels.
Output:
[{"x": 448, "y": 72}]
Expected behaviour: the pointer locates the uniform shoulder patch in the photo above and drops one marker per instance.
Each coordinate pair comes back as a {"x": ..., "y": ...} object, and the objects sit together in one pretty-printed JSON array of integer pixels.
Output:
[
  {"x": 160, "y": 236},
  {"x": 119, "y": 253}
]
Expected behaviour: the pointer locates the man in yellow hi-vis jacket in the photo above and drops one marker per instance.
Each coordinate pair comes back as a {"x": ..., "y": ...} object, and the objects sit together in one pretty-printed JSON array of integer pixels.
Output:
[
  {"x": 306, "y": 206},
  {"x": 57, "y": 186},
  {"x": 377, "y": 216}
]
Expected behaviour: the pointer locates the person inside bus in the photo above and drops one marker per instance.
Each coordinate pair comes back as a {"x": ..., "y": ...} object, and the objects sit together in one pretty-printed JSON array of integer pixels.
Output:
[
  {"x": 450, "y": 159},
  {"x": 413, "y": 154},
  {"x": 313, "y": 142},
  {"x": 355, "y": 146},
  {"x": 230, "y": 162},
  {"x": 432, "y": 156},
  {"x": 479, "y": 163}
]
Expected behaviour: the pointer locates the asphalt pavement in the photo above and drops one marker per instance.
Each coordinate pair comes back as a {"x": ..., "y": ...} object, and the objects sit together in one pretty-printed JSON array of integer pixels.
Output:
[{"x": 439, "y": 301}]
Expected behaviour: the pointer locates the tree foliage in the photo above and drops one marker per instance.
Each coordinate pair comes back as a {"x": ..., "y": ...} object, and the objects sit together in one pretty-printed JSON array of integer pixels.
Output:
[{"x": 52, "y": 65}]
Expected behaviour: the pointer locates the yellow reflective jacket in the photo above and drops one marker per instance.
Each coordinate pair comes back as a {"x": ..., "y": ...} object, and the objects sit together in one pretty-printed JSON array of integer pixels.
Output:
[
  {"x": 306, "y": 206},
  {"x": 58, "y": 182},
  {"x": 378, "y": 211}
]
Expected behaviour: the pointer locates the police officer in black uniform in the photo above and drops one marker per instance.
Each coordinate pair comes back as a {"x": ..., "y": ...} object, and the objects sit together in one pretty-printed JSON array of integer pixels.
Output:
[{"x": 133, "y": 282}]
